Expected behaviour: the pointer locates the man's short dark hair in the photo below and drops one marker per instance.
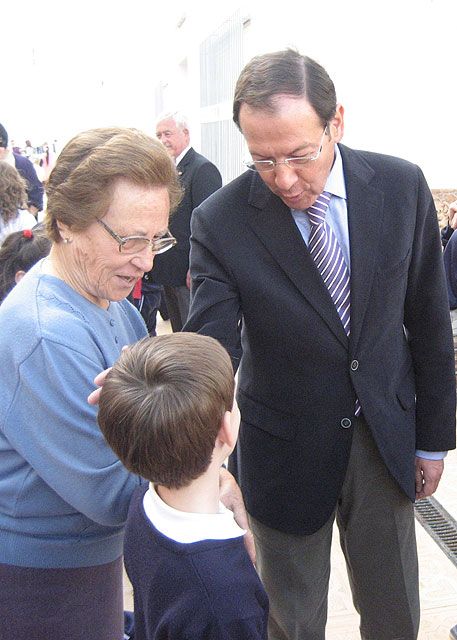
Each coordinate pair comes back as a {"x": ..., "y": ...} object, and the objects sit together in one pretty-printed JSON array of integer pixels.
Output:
[
  {"x": 284, "y": 73},
  {"x": 162, "y": 404}
]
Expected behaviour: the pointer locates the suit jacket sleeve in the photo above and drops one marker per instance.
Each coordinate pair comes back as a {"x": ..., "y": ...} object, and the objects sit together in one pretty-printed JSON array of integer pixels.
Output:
[
  {"x": 427, "y": 322},
  {"x": 216, "y": 308}
]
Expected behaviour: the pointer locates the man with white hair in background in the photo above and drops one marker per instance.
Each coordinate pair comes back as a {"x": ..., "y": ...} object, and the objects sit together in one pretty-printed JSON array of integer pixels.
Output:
[{"x": 199, "y": 178}]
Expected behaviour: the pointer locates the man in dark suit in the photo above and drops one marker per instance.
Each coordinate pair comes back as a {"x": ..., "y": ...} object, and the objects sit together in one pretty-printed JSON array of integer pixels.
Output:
[
  {"x": 34, "y": 187},
  {"x": 341, "y": 418},
  {"x": 199, "y": 178}
]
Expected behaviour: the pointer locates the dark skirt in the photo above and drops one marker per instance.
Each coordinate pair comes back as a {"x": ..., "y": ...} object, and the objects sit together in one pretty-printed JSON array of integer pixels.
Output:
[{"x": 61, "y": 604}]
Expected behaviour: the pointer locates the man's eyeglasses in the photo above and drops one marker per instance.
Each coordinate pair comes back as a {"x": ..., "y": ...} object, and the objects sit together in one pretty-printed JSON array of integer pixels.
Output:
[
  {"x": 298, "y": 162},
  {"x": 136, "y": 244}
]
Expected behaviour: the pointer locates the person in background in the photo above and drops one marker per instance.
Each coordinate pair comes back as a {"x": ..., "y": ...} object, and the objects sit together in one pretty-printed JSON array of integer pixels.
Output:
[
  {"x": 35, "y": 189},
  {"x": 184, "y": 554},
  {"x": 320, "y": 270},
  {"x": 448, "y": 230},
  {"x": 18, "y": 253},
  {"x": 13, "y": 202},
  {"x": 148, "y": 298},
  {"x": 199, "y": 178},
  {"x": 28, "y": 151},
  {"x": 64, "y": 495}
]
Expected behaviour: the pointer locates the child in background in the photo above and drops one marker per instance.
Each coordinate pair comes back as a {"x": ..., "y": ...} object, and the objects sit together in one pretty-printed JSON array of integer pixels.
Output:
[
  {"x": 20, "y": 251},
  {"x": 167, "y": 409},
  {"x": 13, "y": 202}
]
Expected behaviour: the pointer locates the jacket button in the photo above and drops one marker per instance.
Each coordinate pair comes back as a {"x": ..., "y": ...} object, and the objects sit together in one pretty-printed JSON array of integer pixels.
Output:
[
  {"x": 346, "y": 423},
  {"x": 354, "y": 365}
]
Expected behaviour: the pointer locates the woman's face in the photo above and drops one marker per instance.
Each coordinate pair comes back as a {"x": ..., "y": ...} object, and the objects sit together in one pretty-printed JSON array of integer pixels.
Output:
[{"x": 90, "y": 259}]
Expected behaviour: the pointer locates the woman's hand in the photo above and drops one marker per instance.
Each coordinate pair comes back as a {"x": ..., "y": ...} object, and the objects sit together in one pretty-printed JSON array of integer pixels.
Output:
[{"x": 94, "y": 397}]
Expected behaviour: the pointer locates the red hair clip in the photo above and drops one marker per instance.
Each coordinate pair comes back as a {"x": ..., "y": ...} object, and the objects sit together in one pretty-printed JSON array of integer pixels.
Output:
[{"x": 27, "y": 233}]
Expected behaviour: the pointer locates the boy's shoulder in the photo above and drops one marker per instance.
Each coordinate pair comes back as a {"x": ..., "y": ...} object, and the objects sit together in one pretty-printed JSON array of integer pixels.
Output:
[{"x": 214, "y": 577}]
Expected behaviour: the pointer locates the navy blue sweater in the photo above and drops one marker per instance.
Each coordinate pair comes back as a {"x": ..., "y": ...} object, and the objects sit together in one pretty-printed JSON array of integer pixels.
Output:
[{"x": 206, "y": 590}]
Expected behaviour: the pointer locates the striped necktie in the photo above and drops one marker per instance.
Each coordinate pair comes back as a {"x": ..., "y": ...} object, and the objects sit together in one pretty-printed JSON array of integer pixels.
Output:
[{"x": 326, "y": 252}]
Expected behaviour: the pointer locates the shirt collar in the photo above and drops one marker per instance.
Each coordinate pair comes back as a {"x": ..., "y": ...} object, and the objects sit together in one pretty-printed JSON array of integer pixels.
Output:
[
  {"x": 182, "y": 154},
  {"x": 335, "y": 182},
  {"x": 187, "y": 527}
]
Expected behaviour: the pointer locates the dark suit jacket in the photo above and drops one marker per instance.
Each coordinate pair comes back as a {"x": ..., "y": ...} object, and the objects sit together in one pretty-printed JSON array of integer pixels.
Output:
[
  {"x": 35, "y": 189},
  {"x": 199, "y": 178},
  {"x": 299, "y": 374},
  {"x": 450, "y": 268}
]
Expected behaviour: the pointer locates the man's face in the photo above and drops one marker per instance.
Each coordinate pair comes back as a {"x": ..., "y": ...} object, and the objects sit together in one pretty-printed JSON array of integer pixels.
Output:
[
  {"x": 171, "y": 137},
  {"x": 293, "y": 130}
]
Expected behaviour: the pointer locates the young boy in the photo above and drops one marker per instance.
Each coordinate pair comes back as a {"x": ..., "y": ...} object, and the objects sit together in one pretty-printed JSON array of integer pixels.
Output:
[{"x": 167, "y": 409}]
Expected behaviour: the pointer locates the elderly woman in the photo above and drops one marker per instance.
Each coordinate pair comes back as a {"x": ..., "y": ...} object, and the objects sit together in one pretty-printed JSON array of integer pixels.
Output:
[{"x": 63, "y": 494}]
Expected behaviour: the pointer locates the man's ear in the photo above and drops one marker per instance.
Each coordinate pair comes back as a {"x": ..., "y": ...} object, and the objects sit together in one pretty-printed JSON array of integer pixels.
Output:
[
  {"x": 226, "y": 435},
  {"x": 337, "y": 124}
]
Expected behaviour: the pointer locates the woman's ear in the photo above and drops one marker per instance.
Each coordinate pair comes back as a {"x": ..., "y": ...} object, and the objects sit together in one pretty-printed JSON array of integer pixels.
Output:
[{"x": 64, "y": 231}]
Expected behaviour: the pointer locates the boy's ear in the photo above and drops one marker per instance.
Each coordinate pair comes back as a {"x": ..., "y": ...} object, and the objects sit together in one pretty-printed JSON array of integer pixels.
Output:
[
  {"x": 226, "y": 434},
  {"x": 18, "y": 276}
]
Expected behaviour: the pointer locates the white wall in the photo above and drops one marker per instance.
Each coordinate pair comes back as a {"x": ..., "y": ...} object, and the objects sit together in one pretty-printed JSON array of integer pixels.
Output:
[
  {"x": 67, "y": 67},
  {"x": 393, "y": 63}
]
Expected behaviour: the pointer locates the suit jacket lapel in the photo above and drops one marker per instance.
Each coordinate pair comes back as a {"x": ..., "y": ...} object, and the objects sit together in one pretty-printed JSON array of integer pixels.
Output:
[
  {"x": 182, "y": 166},
  {"x": 365, "y": 213},
  {"x": 274, "y": 225}
]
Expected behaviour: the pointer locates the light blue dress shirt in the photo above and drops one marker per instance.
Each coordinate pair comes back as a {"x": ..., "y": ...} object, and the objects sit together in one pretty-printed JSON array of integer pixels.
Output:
[
  {"x": 337, "y": 215},
  {"x": 337, "y": 219}
]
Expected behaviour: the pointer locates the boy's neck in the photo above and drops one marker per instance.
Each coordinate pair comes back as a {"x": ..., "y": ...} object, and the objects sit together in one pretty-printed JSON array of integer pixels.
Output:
[{"x": 200, "y": 496}]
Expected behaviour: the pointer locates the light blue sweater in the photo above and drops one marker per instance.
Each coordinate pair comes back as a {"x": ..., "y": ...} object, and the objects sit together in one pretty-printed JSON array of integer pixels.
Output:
[{"x": 64, "y": 495}]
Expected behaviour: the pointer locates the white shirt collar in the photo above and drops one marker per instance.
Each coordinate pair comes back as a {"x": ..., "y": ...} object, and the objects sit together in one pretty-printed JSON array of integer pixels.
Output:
[
  {"x": 182, "y": 154},
  {"x": 187, "y": 527},
  {"x": 335, "y": 182}
]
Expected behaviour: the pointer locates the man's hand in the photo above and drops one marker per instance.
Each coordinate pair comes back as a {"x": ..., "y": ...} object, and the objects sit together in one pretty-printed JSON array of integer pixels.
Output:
[
  {"x": 453, "y": 214},
  {"x": 428, "y": 475},
  {"x": 230, "y": 496}
]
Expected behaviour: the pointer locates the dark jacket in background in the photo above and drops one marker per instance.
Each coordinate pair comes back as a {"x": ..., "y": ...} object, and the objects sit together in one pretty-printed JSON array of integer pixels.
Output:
[
  {"x": 199, "y": 178},
  {"x": 34, "y": 187},
  {"x": 450, "y": 267}
]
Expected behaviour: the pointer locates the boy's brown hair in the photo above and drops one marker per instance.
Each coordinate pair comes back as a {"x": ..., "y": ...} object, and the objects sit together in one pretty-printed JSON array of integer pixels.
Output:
[{"x": 162, "y": 405}]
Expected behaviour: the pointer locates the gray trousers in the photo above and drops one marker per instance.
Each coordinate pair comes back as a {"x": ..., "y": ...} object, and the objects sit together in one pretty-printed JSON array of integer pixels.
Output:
[{"x": 377, "y": 535}]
